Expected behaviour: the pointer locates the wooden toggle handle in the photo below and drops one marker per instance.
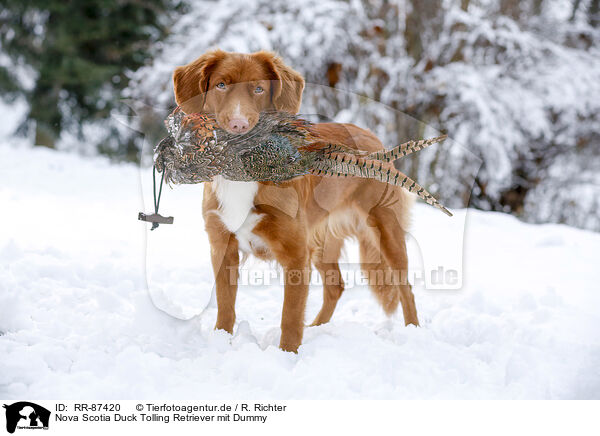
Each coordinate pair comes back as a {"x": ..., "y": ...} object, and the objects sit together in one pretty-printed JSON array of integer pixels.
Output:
[{"x": 155, "y": 218}]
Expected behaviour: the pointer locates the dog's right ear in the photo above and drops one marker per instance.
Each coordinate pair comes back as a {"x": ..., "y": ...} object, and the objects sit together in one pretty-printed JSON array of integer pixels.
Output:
[{"x": 191, "y": 81}]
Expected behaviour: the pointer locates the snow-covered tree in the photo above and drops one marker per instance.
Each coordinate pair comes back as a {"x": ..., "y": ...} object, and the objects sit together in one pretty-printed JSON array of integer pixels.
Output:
[{"x": 76, "y": 56}]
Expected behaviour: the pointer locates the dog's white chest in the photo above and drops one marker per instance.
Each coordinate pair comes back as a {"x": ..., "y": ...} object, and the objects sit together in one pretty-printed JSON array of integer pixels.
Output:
[{"x": 236, "y": 203}]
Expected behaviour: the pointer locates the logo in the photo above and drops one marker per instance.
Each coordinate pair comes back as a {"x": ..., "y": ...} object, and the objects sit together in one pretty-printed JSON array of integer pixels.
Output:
[{"x": 26, "y": 415}]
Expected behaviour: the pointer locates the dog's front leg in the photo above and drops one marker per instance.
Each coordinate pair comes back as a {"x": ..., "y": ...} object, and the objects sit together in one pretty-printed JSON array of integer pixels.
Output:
[
  {"x": 287, "y": 240},
  {"x": 226, "y": 277},
  {"x": 296, "y": 278},
  {"x": 225, "y": 260}
]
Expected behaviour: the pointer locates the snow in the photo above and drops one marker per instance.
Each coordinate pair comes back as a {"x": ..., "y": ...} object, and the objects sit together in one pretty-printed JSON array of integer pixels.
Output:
[{"x": 80, "y": 318}]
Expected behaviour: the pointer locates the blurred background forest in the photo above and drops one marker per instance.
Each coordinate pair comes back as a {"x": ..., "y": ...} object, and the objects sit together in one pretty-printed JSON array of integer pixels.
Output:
[{"x": 515, "y": 83}]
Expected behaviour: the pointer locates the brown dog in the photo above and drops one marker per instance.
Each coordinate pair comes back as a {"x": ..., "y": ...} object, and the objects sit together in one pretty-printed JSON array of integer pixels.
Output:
[{"x": 299, "y": 222}]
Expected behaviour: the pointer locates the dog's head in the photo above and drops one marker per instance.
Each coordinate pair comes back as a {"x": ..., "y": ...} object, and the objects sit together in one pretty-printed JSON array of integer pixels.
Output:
[{"x": 237, "y": 87}]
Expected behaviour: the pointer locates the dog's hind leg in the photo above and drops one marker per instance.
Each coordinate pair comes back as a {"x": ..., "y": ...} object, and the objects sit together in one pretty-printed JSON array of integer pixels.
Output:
[{"x": 333, "y": 283}]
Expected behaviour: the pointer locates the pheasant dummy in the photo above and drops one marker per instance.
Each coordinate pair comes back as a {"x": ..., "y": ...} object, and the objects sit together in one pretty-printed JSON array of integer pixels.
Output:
[{"x": 280, "y": 147}]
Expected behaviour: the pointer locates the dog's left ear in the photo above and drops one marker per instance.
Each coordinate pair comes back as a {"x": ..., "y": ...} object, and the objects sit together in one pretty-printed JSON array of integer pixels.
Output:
[{"x": 287, "y": 84}]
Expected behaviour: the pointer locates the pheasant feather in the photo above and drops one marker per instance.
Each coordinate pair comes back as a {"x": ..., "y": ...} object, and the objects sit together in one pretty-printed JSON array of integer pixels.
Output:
[
  {"x": 279, "y": 148},
  {"x": 405, "y": 149}
]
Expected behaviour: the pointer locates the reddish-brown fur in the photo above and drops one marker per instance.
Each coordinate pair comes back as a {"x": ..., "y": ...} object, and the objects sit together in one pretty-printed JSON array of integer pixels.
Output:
[{"x": 303, "y": 221}]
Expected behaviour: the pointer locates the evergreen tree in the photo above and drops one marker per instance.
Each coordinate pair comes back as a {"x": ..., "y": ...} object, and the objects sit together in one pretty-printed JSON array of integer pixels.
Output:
[{"x": 80, "y": 52}]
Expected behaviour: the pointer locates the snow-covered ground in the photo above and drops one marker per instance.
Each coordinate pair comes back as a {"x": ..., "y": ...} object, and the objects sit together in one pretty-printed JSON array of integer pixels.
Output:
[{"x": 78, "y": 320}]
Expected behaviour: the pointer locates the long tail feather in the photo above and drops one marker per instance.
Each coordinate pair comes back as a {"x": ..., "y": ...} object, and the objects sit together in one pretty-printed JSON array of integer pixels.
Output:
[
  {"x": 343, "y": 166},
  {"x": 404, "y": 149},
  {"x": 383, "y": 155}
]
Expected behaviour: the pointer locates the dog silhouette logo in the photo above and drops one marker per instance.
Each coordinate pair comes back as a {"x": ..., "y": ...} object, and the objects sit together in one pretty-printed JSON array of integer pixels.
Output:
[{"x": 26, "y": 415}]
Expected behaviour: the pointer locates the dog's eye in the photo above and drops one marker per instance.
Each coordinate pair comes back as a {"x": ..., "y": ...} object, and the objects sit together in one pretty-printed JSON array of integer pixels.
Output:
[
  {"x": 259, "y": 90},
  {"x": 221, "y": 85}
]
